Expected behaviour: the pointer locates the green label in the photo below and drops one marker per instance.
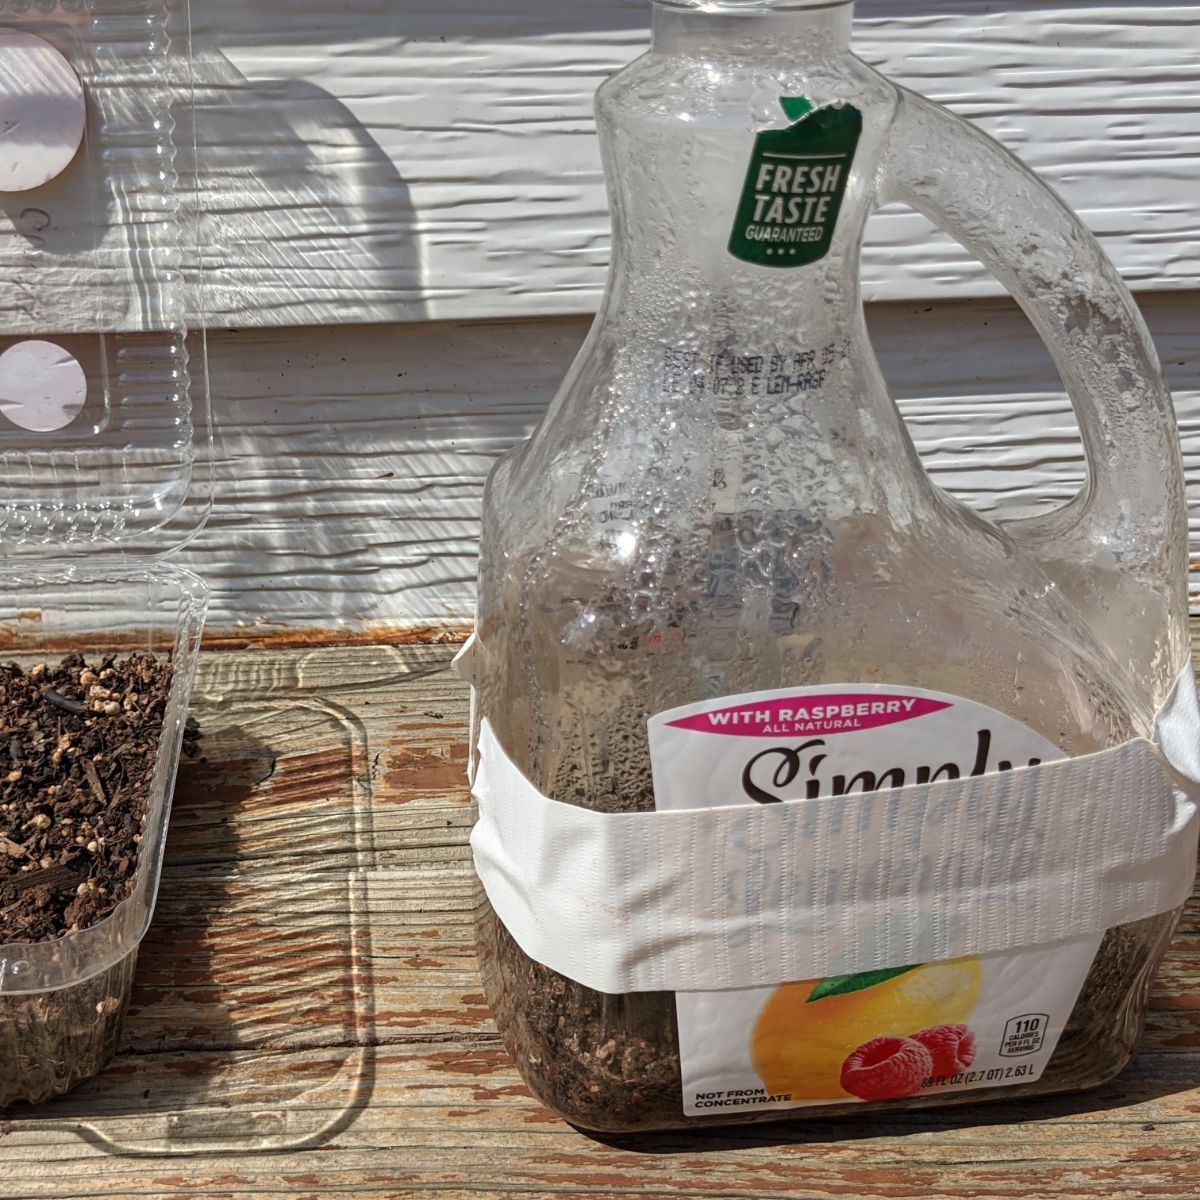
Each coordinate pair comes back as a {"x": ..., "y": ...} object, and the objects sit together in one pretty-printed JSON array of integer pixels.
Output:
[{"x": 795, "y": 186}]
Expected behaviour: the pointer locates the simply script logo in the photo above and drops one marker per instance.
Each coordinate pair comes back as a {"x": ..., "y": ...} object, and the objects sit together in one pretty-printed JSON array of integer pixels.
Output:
[{"x": 781, "y": 766}]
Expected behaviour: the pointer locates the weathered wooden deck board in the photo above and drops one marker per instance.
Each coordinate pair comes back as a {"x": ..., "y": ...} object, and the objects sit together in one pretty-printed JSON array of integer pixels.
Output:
[{"x": 308, "y": 1020}]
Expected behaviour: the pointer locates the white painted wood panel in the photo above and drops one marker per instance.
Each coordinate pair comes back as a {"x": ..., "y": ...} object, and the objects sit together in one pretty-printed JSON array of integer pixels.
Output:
[
  {"x": 385, "y": 161},
  {"x": 352, "y": 460}
]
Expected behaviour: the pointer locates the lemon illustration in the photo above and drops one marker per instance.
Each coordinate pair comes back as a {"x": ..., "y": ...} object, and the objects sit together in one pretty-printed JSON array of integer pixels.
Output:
[{"x": 799, "y": 1046}]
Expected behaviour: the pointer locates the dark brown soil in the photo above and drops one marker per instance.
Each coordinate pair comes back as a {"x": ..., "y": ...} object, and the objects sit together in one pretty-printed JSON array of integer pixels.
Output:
[{"x": 78, "y": 746}]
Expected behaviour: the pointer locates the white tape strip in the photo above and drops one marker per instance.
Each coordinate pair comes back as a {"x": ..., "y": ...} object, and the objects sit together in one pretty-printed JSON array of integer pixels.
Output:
[
  {"x": 752, "y": 896},
  {"x": 465, "y": 666}
]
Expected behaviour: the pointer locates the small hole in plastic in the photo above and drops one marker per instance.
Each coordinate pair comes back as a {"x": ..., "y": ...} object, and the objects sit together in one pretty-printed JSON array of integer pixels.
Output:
[
  {"x": 42, "y": 386},
  {"x": 42, "y": 111}
]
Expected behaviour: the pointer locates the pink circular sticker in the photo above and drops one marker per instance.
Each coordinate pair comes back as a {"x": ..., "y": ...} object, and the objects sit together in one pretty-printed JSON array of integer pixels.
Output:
[
  {"x": 42, "y": 387},
  {"x": 42, "y": 111}
]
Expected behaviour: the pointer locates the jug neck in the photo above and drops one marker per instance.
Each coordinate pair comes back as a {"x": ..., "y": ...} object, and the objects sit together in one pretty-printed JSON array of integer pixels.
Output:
[{"x": 688, "y": 26}]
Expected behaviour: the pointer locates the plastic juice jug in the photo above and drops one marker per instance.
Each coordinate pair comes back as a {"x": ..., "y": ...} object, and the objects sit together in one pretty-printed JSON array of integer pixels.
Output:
[{"x": 723, "y": 502}]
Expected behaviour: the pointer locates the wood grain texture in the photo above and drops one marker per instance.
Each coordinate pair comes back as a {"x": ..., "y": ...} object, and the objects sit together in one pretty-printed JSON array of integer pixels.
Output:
[
  {"x": 352, "y": 460},
  {"x": 308, "y": 1020},
  {"x": 395, "y": 162}
]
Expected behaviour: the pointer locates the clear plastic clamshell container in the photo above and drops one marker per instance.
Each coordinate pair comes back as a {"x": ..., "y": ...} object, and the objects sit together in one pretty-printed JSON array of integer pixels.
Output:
[{"x": 104, "y": 439}]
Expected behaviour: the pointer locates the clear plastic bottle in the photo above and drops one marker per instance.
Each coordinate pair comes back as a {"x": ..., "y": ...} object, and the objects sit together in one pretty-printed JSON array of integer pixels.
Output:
[{"x": 723, "y": 499}]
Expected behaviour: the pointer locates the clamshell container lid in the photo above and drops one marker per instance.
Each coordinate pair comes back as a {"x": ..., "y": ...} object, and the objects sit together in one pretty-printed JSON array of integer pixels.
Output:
[{"x": 104, "y": 423}]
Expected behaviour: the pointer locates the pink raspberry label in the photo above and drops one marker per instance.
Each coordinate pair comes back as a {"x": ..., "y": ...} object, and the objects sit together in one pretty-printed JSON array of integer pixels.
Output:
[{"x": 836, "y": 712}]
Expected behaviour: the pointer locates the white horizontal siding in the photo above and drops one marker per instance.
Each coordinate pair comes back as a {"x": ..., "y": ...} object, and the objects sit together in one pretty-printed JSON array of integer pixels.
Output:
[
  {"x": 352, "y": 460},
  {"x": 385, "y": 161}
]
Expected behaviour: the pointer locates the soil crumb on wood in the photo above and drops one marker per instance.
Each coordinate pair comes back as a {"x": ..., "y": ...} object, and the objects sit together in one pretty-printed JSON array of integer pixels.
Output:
[{"x": 78, "y": 745}]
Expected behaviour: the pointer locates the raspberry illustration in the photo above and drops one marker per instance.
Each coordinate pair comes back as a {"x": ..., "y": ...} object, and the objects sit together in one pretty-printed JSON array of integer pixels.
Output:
[
  {"x": 951, "y": 1046},
  {"x": 888, "y": 1068}
]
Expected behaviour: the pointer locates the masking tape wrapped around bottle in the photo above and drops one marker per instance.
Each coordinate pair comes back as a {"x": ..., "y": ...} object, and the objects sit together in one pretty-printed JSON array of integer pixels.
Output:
[{"x": 659, "y": 901}]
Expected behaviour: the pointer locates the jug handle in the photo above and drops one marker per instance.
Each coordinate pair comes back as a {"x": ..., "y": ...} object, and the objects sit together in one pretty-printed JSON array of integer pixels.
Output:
[{"x": 1130, "y": 519}]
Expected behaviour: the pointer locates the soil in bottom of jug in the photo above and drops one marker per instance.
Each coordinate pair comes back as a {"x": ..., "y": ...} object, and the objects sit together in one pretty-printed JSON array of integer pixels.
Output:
[
  {"x": 78, "y": 748},
  {"x": 611, "y": 1063}
]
